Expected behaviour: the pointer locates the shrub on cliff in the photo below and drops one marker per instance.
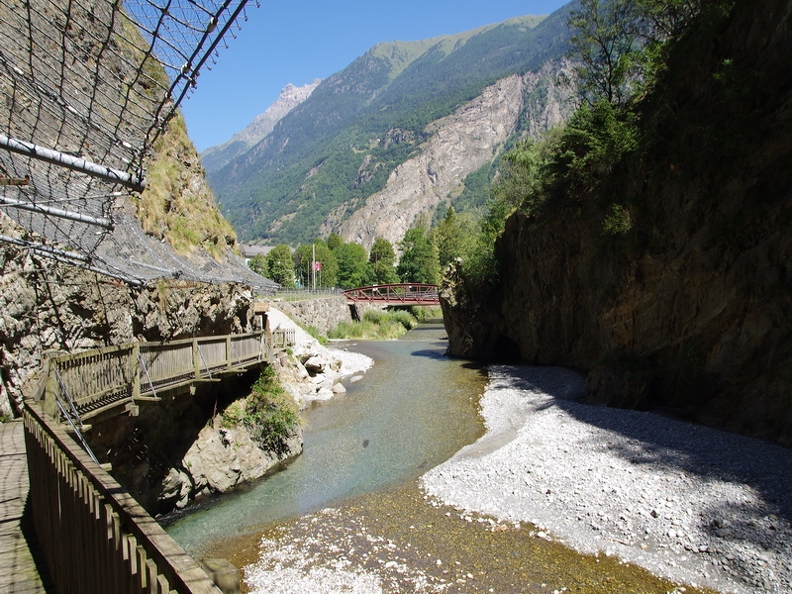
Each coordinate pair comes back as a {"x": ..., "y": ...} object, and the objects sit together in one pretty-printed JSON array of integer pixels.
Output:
[{"x": 269, "y": 412}]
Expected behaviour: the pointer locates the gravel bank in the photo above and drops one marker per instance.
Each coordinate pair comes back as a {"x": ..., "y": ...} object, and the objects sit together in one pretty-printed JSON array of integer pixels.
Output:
[
  {"x": 337, "y": 365},
  {"x": 686, "y": 502}
]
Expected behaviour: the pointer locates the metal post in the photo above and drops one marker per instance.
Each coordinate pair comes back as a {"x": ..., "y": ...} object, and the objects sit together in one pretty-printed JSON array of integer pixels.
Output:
[
  {"x": 135, "y": 370},
  {"x": 57, "y": 212},
  {"x": 134, "y": 182}
]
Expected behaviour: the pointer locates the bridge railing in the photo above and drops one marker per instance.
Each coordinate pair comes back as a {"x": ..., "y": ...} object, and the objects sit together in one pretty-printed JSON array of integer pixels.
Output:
[
  {"x": 92, "y": 381},
  {"x": 94, "y": 536},
  {"x": 394, "y": 294}
]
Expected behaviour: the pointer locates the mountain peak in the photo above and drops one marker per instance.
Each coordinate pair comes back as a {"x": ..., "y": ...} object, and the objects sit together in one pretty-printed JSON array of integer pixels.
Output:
[
  {"x": 386, "y": 114},
  {"x": 290, "y": 97}
]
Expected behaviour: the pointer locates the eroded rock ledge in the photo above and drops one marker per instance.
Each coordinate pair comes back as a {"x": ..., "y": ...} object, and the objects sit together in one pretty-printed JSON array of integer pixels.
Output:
[{"x": 220, "y": 459}]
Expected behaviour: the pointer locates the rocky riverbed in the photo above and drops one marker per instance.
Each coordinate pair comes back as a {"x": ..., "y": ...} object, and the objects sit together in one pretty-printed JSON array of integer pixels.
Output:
[
  {"x": 690, "y": 503},
  {"x": 698, "y": 507}
]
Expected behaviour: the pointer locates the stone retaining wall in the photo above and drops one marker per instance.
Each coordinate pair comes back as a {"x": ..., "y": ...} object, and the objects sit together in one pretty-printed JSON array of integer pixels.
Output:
[{"x": 323, "y": 314}]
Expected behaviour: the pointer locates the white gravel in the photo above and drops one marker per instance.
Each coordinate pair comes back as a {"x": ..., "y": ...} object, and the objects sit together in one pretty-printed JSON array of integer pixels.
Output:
[
  {"x": 360, "y": 563},
  {"x": 338, "y": 365},
  {"x": 690, "y": 503}
]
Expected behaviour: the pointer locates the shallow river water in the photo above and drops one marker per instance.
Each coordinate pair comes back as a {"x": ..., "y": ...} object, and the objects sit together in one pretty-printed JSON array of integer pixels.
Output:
[{"x": 348, "y": 514}]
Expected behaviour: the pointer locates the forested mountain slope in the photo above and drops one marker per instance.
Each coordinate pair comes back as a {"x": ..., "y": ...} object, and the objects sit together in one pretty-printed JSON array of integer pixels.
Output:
[
  {"x": 323, "y": 160},
  {"x": 667, "y": 275}
]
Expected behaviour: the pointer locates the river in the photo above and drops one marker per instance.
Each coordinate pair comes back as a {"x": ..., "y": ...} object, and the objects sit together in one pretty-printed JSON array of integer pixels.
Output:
[
  {"x": 348, "y": 514},
  {"x": 412, "y": 410}
]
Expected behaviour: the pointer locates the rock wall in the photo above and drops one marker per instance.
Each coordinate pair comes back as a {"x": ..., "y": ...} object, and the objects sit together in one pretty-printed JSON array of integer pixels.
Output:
[
  {"x": 322, "y": 314},
  {"x": 689, "y": 310},
  {"x": 218, "y": 461},
  {"x": 46, "y": 306}
]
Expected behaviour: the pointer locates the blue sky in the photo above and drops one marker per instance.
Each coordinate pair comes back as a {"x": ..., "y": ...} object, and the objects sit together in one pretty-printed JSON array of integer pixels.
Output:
[{"x": 299, "y": 40}]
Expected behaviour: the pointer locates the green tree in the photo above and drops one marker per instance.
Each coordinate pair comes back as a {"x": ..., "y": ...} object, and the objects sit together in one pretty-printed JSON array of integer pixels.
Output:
[
  {"x": 258, "y": 264},
  {"x": 606, "y": 41},
  {"x": 453, "y": 236},
  {"x": 302, "y": 265},
  {"x": 521, "y": 184},
  {"x": 351, "y": 265},
  {"x": 334, "y": 241},
  {"x": 618, "y": 45},
  {"x": 381, "y": 263},
  {"x": 280, "y": 266},
  {"x": 326, "y": 275},
  {"x": 595, "y": 139},
  {"x": 419, "y": 262}
]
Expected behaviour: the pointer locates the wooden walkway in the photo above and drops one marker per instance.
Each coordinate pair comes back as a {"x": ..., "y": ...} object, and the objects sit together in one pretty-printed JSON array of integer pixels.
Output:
[
  {"x": 19, "y": 573},
  {"x": 116, "y": 379}
]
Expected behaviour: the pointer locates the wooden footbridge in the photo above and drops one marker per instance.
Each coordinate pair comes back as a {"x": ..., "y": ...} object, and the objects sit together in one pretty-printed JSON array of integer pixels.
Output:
[
  {"x": 83, "y": 385},
  {"x": 94, "y": 536},
  {"x": 395, "y": 294}
]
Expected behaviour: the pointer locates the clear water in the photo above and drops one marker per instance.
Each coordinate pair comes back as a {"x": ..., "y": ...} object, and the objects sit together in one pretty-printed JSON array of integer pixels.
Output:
[{"x": 411, "y": 411}]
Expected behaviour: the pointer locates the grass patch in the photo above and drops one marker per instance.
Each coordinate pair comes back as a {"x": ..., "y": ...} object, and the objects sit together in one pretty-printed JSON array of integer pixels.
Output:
[
  {"x": 376, "y": 324},
  {"x": 422, "y": 314},
  {"x": 173, "y": 207},
  {"x": 314, "y": 332}
]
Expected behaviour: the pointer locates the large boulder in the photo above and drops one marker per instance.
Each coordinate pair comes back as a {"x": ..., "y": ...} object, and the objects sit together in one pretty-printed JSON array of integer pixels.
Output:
[{"x": 218, "y": 461}]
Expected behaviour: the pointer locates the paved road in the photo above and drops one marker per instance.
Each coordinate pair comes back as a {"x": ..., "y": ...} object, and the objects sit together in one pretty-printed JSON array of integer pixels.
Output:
[{"x": 18, "y": 571}]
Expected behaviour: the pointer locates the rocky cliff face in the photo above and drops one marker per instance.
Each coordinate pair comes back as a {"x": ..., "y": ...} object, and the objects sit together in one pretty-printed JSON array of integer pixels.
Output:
[
  {"x": 689, "y": 310},
  {"x": 45, "y": 306},
  {"x": 458, "y": 145},
  {"x": 218, "y": 461}
]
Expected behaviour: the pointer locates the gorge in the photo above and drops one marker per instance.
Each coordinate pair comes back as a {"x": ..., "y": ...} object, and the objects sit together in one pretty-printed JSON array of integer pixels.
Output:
[{"x": 652, "y": 295}]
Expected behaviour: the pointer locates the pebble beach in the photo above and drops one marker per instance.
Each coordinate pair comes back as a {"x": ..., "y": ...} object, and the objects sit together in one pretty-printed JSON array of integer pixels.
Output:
[{"x": 689, "y": 503}]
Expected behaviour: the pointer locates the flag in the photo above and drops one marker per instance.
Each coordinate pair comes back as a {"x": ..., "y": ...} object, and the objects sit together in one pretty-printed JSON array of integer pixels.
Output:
[{"x": 317, "y": 265}]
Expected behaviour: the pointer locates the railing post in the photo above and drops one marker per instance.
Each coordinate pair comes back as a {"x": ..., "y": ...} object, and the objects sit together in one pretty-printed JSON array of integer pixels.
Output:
[
  {"x": 50, "y": 390},
  {"x": 228, "y": 351},
  {"x": 135, "y": 370},
  {"x": 266, "y": 348},
  {"x": 196, "y": 359}
]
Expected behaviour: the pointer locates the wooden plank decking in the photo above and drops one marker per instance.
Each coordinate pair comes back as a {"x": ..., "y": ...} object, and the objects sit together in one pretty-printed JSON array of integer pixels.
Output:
[{"x": 19, "y": 573}]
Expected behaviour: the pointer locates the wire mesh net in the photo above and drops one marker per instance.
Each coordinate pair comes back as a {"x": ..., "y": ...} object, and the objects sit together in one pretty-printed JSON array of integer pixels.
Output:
[{"x": 86, "y": 88}]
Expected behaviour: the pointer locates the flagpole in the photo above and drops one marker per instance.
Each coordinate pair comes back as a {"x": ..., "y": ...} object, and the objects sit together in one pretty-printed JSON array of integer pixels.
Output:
[{"x": 313, "y": 264}]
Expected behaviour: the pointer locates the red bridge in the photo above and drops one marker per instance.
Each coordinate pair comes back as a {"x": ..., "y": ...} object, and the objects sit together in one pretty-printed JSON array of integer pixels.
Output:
[{"x": 396, "y": 294}]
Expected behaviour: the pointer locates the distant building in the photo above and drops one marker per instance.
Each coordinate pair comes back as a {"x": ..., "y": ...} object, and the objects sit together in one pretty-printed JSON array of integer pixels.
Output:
[{"x": 251, "y": 251}]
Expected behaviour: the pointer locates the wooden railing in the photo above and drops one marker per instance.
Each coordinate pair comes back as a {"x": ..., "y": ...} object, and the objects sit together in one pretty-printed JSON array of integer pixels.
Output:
[
  {"x": 283, "y": 338},
  {"x": 94, "y": 381},
  {"x": 95, "y": 537}
]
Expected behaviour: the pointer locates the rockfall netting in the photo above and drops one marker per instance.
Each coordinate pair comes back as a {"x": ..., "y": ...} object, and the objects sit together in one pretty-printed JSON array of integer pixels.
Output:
[{"x": 86, "y": 88}]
